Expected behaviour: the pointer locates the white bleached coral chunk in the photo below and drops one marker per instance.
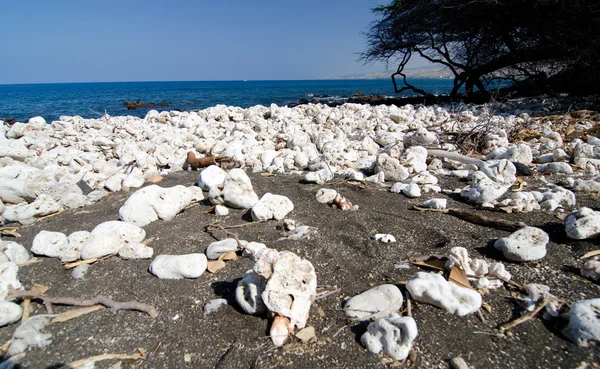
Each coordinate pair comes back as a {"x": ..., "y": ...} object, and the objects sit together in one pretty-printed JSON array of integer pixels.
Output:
[
  {"x": 433, "y": 289},
  {"x": 392, "y": 335}
]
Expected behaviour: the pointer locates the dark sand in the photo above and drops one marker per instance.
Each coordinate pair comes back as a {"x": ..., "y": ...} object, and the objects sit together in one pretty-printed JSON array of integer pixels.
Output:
[{"x": 343, "y": 255}]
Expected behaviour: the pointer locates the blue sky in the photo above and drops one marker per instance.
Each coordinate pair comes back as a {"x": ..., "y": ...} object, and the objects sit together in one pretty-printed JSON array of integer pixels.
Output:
[{"x": 87, "y": 41}]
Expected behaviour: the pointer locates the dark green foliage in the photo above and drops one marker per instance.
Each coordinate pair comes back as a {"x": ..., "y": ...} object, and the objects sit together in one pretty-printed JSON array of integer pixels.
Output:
[{"x": 540, "y": 45}]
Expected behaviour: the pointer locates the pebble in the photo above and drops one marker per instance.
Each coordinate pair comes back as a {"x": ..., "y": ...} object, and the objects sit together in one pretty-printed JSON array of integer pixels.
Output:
[
  {"x": 582, "y": 223},
  {"x": 584, "y": 322},
  {"x": 213, "y": 305},
  {"x": 271, "y": 206},
  {"x": 378, "y": 302},
  {"x": 154, "y": 202},
  {"x": 526, "y": 244},
  {"x": 80, "y": 271},
  {"x": 178, "y": 266},
  {"x": 108, "y": 238}
]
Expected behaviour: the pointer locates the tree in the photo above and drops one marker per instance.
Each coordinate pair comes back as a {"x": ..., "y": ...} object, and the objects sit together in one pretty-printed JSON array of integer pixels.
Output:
[{"x": 552, "y": 45}]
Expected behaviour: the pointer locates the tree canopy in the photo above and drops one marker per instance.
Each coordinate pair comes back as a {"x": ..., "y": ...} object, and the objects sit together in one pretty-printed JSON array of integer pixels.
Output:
[{"x": 544, "y": 46}]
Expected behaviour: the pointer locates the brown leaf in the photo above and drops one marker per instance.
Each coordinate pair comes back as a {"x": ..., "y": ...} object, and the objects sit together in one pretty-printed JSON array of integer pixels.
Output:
[
  {"x": 215, "y": 265},
  {"x": 74, "y": 313},
  {"x": 459, "y": 277},
  {"x": 432, "y": 262},
  {"x": 39, "y": 288},
  {"x": 229, "y": 255},
  {"x": 266, "y": 174},
  {"x": 485, "y": 306},
  {"x": 155, "y": 178},
  {"x": 306, "y": 334},
  {"x": 210, "y": 210}
]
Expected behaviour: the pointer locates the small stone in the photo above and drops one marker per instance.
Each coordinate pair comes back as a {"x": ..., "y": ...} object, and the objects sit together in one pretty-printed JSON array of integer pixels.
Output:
[
  {"x": 213, "y": 305},
  {"x": 375, "y": 303},
  {"x": 135, "y": 251},
  {"x": 179, "y": 266},
  {"x": 80, "y": 271},
  {"x": 434, "y": 204},
  {"x": 526, "y": 244},
  {"x": 221, "y": 210},
  {"x": 271, "y": 207},
  {"x": 582, "y": 223}
]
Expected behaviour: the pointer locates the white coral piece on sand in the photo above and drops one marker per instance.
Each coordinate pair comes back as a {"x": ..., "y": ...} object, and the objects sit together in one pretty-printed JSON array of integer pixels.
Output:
[
  {"x": 393, "y": 335},
  {"x": 482, "y": 274},
  {"x": 290, "y": 290},
  {"x": 538, "y": 293},
  {"x": 154, "y": 202},
  {"x": 377, "y": 302},
  {"x": 29, "y": 334},
  {"x": 584, "y": 322},
  {"x": 526, "y": 244},
  {"x": 591, "y": 269},
  {"x": 582, "y": 223},
  {"x": 431, "y": 288}
]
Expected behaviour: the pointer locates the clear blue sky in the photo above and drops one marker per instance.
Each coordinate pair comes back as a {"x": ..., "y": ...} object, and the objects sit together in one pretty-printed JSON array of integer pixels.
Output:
[{"x": 84, "y": 41}]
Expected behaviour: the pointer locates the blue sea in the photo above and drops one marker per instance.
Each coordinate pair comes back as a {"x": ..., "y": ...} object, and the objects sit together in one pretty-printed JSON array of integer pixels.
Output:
[{"x": 50, "y": 101}]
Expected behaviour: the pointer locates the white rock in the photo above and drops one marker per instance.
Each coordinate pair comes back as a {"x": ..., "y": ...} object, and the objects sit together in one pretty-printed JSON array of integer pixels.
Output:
[
  {"x": 213, "y": 305},
  {"x": 29, "y": 334},
  {"x": 237, "y": 190},
  {"x": 434, "y": 203},
  {"x": 321, "y": 176},
  {"x": 221, "y": 210},
  {"x": 398, "y": 187},
  {"x": 271, "y": 207},
  {"x": 253, "y": 249},
  {"x": 584, "y": 322},
  {"x": 114, "y": 183},
  {"x": 483, "y": 189},
  {"x": 13, "y": 149},
  {"x": 27, "y": 214},
  {"x": 212, "y": 176},
  {"x": 108, "y": 238},
  {"x": 393, "y": 335},
  {"x": 248, "y": 293},
  {"x": 391, "y": 167},
  {"x": 8, "y": 278},
  {"x": 14, "y": 252},
  {"x": 378, "y": 302},
  {"x": 421, "y": 137},
  {"x": 37, "y": 121},
  {"x": 412, "y": 191},
  {"x": 179, "y": 266},
  {"x": 591, "y": 269},
  {"x": 9, "y": 313},
  {"x": 80, "y": 271},
  {"x": 520, "y": 154},
  {"x": 555, "y": 168},
  {"x": 215, "y": 249},
  {"x": 135, "y": 179},
  {"x": 385, "y": 238},
  {"x": 134, "y": 251},
  {"x": 154, "y": 202},
  {"x": 526, "y": 244},
  {"x": 54, "y": 245},
  {"x": 291, "y": 285},
  {"x": 431, "y": 288},
  {"x": 326, "y": 195},
  {"x": 582, "y": 223}
]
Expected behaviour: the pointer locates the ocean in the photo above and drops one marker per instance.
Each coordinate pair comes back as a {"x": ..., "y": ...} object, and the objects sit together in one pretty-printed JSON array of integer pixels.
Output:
[{"x": 50, "y": 101}]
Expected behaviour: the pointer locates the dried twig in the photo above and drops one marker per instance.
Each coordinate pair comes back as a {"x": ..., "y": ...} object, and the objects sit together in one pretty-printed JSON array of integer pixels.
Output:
[
  {"x": 325, "y": 294},
  {"x": 530, "y": 315},
  {"x": 10, "y": 231},
  {"x": 88, "y": 261},
  {"x": 483, "y": 220},
  {"x": 140, "y": 355},
  {"x": 72, "y": 301}
]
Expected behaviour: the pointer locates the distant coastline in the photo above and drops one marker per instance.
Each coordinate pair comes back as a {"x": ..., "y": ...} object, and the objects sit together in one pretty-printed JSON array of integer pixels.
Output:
[{"x": 428, "y": 72}]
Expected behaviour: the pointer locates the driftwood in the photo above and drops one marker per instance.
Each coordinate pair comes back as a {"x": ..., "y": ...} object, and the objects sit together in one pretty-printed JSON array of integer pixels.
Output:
[
  {"x": 225, "y": 162},
  {"x": 72, "y": 301},
  {"x": 483, "y": 220}
]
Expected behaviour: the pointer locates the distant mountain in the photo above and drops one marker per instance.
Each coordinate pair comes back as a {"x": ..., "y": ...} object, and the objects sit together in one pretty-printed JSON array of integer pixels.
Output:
[{"x": 428, "y": 72}]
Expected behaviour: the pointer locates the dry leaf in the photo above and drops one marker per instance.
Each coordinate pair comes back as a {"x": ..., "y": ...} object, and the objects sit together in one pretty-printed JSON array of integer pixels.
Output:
[
  {"x": 155, "y": 178},
  {"x": 215, "y": 265},
  {"x": 210, "y": 210},
  {"x": 459, "y": 277},
  {"x": 306, "y": 334},
  {"x": 74, "y": 313},
  {"x": 266, "y": 174},
  {"x": 431, "y": 262},
  {"x": 485, "y": 306},
  {"x": 39, "y": 288},
  {"x": 590, "y": 254},
  {"x": 229, "y": 255}
]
